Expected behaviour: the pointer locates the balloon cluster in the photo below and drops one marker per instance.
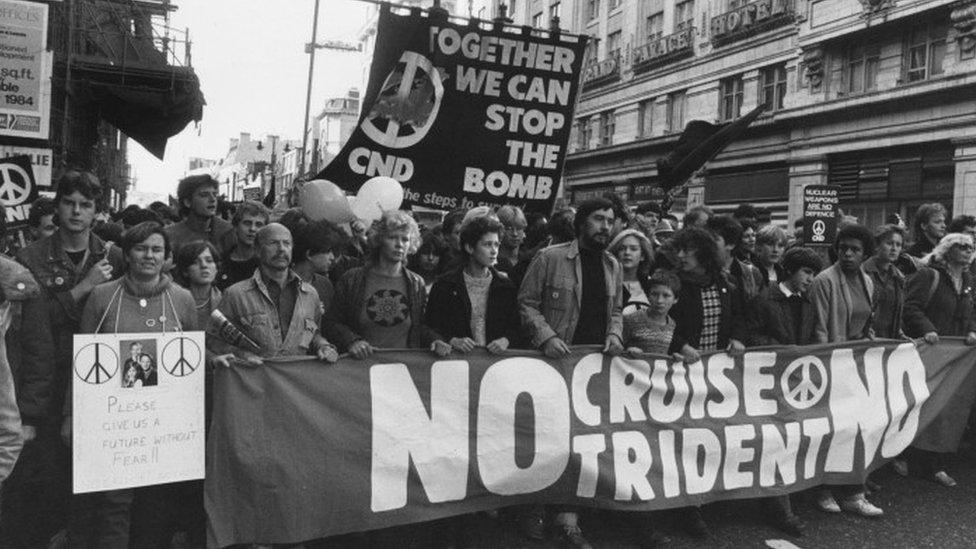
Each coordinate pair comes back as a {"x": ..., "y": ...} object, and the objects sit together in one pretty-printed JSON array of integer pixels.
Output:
[{"x": 321, "y": 199}]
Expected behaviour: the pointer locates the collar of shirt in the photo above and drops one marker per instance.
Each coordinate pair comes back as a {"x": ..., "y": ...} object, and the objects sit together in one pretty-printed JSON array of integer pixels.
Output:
[{"x": 786, "y": 290}]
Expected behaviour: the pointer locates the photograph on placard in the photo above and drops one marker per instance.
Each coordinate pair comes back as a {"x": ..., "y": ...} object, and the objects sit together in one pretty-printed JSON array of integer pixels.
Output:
[{"x": 139, "y": 369}]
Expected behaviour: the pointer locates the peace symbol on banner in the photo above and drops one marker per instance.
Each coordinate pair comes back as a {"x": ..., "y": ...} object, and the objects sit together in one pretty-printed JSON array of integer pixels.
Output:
[
  {"x": 800, "y": 388},
  {"x": 96, "y": 363},
  {"x": 16, "y": 185},
  {"x": 408, "y": 103},
  {"x": 181, "y": 357}
]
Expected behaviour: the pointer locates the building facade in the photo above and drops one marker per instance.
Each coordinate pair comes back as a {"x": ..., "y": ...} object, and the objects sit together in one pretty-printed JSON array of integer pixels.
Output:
[
  {"x": 330, "y": 128},
  {"x": 876, "y": 96}
]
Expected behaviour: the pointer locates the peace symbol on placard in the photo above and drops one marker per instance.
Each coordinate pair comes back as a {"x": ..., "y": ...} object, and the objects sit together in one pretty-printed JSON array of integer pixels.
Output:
[
  {"x": 181, "y": 357},
  {"x": 408, "y": 103},
  {"x": 96, "y": 363},
  {"x": 800, "y": 389},
  {"x": 15, "y": 185}
]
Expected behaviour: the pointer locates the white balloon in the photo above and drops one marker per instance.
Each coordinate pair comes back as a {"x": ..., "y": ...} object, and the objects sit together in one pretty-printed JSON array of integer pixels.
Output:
[
  {"x": 364, "y": 210},
  {"x": 385, "y": 192}
]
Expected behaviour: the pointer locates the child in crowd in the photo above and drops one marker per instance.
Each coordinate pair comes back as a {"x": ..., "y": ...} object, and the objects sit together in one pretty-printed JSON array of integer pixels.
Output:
[{"x": 651, "y": 330}]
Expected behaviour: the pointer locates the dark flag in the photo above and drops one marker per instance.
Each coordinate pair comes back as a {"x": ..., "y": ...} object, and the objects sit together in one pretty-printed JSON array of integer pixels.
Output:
[
  {"x": 463, "y": 115},
  {"x": 269, "y": 199},
  {"x": 699, "y": 143}
]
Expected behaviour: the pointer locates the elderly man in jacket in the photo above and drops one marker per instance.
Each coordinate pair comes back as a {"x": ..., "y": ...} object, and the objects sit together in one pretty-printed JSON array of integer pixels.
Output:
[
  {"x": 275, "y": 308},
  {"x": 572, "y": 295}
]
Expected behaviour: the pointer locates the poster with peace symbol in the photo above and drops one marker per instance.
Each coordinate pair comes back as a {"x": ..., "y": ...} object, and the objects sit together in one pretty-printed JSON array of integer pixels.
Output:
[
  {"x": 137, "y": 410},
  {"x": 18, "y": 189}
]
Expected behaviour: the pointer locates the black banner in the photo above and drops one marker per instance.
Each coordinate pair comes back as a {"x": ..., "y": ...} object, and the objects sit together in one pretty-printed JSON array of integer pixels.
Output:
[
  {"x": 18, "y": 190},
  {"x": 462, "y": 116}
]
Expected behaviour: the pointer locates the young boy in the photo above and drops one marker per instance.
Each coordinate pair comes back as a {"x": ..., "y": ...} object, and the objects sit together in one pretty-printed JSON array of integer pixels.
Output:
[{"x": 651, "y": 330}]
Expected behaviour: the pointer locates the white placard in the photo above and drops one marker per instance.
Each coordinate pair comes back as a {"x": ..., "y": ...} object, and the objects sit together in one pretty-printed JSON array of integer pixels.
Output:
[
  {"x": 25, "y": 70},
  {"x": 138, "y": 410}
]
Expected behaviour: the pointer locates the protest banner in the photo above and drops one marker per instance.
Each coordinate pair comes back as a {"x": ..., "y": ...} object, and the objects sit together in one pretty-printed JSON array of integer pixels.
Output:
[
  {"x": 41, "y": 160},
  {"x": 820, "y": 214},
  {"x": 406, "y": 437},
  {"x": 25, "y": 70},
  {"x": 464, "y": 116},
  {"x": 137, "y": 410},
  {"x": 18, "y": 189}
]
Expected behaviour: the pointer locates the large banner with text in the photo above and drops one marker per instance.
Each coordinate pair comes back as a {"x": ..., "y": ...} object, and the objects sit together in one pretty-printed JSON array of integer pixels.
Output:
[
  {"x": 300, "y": 450},
  {"x": 464, "y": 115}
]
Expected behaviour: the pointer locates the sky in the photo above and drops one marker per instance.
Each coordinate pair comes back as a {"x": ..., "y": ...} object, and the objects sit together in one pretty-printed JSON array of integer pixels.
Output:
[{"x": 253, "y": 71}]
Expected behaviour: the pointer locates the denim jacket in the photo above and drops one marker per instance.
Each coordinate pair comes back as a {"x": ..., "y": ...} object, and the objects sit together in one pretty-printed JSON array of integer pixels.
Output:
[
  {"x": 551, "y": 292},
  {"x": 248, "y": 306}
]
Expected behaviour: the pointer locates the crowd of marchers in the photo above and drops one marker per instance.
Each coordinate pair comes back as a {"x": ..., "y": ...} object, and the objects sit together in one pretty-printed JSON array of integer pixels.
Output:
[{"x": 627, "y": 277}]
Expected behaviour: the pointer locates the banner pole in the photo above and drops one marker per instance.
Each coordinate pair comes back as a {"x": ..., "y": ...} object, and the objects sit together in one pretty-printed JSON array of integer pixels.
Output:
[{"x": 308, "y": 88}]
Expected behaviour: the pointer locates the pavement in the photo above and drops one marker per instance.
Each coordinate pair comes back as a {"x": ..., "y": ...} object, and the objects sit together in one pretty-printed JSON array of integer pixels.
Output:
[{"x": 918, "y": 514}]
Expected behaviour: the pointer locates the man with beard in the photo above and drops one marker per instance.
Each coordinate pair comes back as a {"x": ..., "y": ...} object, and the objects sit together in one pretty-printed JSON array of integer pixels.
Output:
[
  {"x": 572, "y": 294},
  {"x": 197, "y": 195},
  {"x": 275, "y": 307}
]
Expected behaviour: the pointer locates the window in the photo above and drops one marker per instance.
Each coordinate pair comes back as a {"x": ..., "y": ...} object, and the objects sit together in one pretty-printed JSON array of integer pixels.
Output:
[
  {"x": 613, "y": 44},
  {"x": 925, "y": 52},
  {"x": 772, "y": 87},
  {"x": 592, "y": 9},
  {"x": 730, "y": 98},
  {"x": 583, "y": 134},
  {"x": 684, "y": 13},
  {"x": 654, "y": 27},
  {"x": 676, "y": 111},
  {"x": 861, "y": 69},
  {"x": 537, "y": 20},
  {"x": 645, "y": 118},
  {"x": 736, "y": 4},
  {"x": 555, "y": 11},
  {"x": 614, "y": 4},
  {"x": 607, "y": 122}
]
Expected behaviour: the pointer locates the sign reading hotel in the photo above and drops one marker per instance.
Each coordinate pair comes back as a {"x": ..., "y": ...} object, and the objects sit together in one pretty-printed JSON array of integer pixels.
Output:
[
  {"x": 820, "y": 214},
  {"x": 464, "y": 116},
  {"x": 25, "y": 70},
  {"x": 750, "y": 18},
  {"x": 137, "y": 409}
]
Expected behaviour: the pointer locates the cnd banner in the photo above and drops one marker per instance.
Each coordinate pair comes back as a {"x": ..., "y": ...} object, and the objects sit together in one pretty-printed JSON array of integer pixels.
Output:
[
  {"x": 463, "y": 115},
  {"x": 404, "y": 437}
]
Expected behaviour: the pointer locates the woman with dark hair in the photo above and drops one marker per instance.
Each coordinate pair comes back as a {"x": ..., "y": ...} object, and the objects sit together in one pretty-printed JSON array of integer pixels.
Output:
[
  {"x": 197, "y": 266},
  {"x": 929, "y": 227},
  {"x": 843, "y": 298},
  {"x": 317, "y": 244},
  {"x": 940, "y": 303},
  {"x": 144, "y": 300},
  {"x": 746, "y": 250},
  {"x": 636, "y": 254},
  {"x": 709, "y": 311},
  {"x": 381, "y": 304},
  {"x": 475, "y": 305},
  {"x": 427, "y": 261},
  {"x": 708, "y": 316}
]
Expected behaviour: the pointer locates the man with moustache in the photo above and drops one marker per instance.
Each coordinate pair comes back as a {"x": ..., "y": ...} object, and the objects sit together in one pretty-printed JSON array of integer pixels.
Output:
[
  {"x": 275, "y": 307},
  {"x": 197, "y": 196},
  {"x": 572, "y": 294}
]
